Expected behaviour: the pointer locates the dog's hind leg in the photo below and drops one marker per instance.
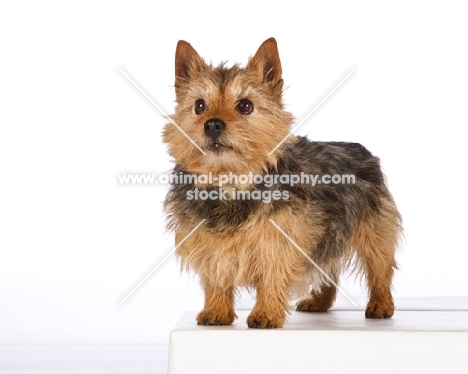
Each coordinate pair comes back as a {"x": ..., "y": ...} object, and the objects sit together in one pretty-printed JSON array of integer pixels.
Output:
[{"x": 375, "y": 242}]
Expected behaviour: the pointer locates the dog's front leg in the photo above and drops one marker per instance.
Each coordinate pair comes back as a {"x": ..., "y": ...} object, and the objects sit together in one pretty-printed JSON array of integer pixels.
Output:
[
  {"x": 271, "y": 306},
  {"x": 219, "y": 305}
]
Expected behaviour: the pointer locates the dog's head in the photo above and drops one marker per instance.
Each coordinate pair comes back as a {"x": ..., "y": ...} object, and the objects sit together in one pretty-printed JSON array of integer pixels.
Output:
[{"x": 227, "y": 119}]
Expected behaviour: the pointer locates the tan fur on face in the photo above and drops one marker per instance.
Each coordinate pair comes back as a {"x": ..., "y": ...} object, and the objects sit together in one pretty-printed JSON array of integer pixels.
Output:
[{"x": 221, "y": 88}]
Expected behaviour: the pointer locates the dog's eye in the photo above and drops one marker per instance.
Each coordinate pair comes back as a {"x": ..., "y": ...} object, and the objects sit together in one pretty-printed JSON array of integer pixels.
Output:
[
  {"x": 244, "y": 106},
  {"x": 200, "y": 106}
]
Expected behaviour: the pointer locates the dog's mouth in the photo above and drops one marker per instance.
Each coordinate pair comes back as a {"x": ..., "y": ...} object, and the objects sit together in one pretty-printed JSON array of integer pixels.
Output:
[{"x": 218, "y": 147}]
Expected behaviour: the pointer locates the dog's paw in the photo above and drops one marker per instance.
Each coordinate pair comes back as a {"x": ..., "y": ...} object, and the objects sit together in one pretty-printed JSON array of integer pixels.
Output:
[
  {"x": 262, "y": 321},
  {"x": 379, "y": 309},
  {"x": 311, "y": 305},
  {"x": 318, "y": 301},
  {"x": 208, "y": 318}
]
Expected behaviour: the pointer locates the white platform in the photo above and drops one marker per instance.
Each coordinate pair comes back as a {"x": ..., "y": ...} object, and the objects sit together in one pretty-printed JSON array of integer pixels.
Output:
[{"x": 425, "y": 337}]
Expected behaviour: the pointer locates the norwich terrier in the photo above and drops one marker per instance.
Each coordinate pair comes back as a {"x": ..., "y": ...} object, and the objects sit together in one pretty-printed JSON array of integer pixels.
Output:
[{"x": 254, "y": 206}]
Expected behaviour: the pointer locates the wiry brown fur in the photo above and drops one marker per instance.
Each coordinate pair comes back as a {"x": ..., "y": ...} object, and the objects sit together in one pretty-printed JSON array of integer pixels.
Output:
[{"x": 237, "y": 245}]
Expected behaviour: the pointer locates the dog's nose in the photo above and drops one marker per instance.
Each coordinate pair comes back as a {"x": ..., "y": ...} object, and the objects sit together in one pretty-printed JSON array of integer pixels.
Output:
[{"x": 214, "y": 127}]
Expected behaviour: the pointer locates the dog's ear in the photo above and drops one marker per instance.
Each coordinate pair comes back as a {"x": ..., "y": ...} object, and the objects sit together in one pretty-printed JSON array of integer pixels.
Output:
[
  {"x": 187, "y": 62},
  {"x": 266, "y": 63}
]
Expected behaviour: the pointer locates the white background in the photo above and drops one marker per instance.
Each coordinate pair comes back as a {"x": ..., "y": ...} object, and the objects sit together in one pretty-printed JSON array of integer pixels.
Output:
[{"x": 73, "y": 242}]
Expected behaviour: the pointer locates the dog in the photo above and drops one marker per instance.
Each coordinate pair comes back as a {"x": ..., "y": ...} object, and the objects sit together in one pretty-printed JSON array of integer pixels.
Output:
[{"x": 238, "y": 219}]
